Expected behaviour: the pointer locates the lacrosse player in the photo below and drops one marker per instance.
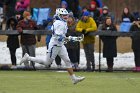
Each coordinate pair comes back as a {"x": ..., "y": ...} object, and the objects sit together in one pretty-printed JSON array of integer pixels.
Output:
[{"x": 56, "y": 45}]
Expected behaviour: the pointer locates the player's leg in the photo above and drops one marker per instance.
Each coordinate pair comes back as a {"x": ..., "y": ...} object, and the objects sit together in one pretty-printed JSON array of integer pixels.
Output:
[
  {"x": 64, "y": 55},
  {"x": 49, "y": 58},
  {"x": 33, "y": 59}
]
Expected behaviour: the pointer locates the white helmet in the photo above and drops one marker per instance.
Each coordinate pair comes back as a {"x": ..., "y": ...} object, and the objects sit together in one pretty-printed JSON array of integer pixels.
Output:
[{"x": 61, "y": 11}]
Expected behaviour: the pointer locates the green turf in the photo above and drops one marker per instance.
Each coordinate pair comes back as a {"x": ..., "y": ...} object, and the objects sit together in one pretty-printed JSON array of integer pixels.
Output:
[{"x": 54, "y": 82}]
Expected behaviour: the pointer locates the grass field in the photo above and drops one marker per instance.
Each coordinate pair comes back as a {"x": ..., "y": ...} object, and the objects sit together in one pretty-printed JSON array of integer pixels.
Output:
[{"x": 54, "y": 82}]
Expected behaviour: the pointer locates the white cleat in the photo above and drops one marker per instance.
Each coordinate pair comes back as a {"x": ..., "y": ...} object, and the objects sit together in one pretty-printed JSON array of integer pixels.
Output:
[
  {"x": 77, "y": 79},
  {"x": 13, "y": 67},
  {"x": 24, "y": 59}
]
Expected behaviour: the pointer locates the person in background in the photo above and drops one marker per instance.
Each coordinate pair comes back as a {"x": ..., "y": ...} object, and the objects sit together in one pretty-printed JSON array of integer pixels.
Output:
[
  {"x": 28, "y": 41},
  {"x": 1, "y": 13},
  {"x": 21, "y": 6},
  {"x": 73, "y": 47},
  {"x": 12, "y": 41},
  {"x": 126, "y": 20},
  {"x": 73, "y": 5},
  {"x": 86, "y": 25},
  {"x": 64, "y": 5},
  {"x": 109, "y": 44},
  {"x": 136, "y": 43},
  {"x": 94, "y": 12},
  {"x": 8, "y": 11},
  {"x": 1, "y": 7},
  {"x": 9, "y": 8},
  {"x": 103, "y": 16},
  {"x": 84, "y": 9},
  {"x": 127, "y": 15}
]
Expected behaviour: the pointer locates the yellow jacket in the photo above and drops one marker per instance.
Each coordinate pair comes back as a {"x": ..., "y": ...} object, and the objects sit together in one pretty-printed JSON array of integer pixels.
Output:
[{"x": 89, "y": 26}]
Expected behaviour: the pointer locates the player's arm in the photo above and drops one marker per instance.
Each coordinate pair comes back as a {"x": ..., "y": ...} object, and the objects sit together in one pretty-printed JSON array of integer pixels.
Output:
[{"x": 58, "y": 29}]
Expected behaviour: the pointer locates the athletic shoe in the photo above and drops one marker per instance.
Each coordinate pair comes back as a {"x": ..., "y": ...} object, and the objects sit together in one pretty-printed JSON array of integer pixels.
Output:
[
  {"x": 77, "y": 79},
  {"x": 13, "y": 67},
  {"x": 24, "y": 59}
]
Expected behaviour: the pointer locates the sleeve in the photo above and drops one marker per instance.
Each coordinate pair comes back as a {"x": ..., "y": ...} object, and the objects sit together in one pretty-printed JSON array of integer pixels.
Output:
[
  {"x": 93, "y": 26},
  {"x": 79, "y": 27},
  {"x": 35, "y": 25},
  {"x": 19, "y": 27}
]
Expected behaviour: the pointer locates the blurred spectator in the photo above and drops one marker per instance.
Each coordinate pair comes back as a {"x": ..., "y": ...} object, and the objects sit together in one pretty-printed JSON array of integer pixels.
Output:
[
  {"x": 1, "y": 7},
  {"x": 73, "y": 5},
  {"x": 64, "y": 4},
  {"x": 126, "y": 15},
  {"x": 9, "y": 5},
  {"x": 84, "y": 8},
  {"x": 94, "y": 12},
  {"x": 21, "y": 6},
  {"x": 109, "y": 44},
  {"x": 73, "y": 47},
  {"x": 99, "y": 3},
  {"x": 136, "y": 43},
  {"x": 127, "y": 20},
  {"x": 85, "y": 26},
  {"x": 28, "y": 41},
  {"x": 105, "y": 14},
  {"x": 12, "y": 41},
  {"x": 2, "y": 22}
]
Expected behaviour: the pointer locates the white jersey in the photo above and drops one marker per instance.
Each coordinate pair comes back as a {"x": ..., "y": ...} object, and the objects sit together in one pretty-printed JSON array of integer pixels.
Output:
[{"x": 58, "y": 28}]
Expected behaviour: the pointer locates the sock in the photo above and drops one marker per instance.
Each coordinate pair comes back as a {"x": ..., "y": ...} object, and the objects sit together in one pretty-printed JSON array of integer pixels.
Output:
[{"x": 73, "y": 76}]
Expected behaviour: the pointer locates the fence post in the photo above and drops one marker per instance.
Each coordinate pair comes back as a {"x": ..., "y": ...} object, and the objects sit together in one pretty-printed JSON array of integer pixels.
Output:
[{"x": 99, "y": 54}]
